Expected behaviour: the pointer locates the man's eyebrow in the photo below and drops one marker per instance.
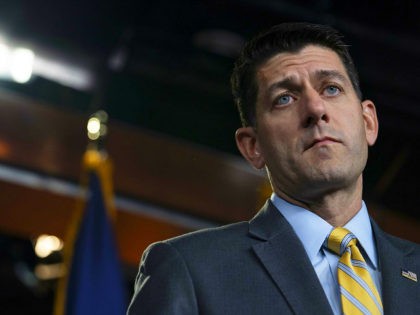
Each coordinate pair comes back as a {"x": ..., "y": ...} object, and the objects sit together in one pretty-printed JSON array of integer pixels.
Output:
[
  {"x": 330, "y": 74},
  {"x": 288, "y": 83},
  {"x": 291, "y": 83}
]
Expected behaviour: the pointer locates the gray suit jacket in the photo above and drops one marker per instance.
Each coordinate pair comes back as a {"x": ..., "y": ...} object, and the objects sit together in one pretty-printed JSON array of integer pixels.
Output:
[{"x": 257, "y": 267}]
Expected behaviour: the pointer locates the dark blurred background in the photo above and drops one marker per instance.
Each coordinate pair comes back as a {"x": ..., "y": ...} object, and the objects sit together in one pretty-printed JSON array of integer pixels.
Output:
[{"x": 161, "y": 70}]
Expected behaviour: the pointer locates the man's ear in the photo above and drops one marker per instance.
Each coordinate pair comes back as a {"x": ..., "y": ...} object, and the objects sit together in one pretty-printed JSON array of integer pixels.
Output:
[
  {"x": 247, "y": 142},
  {"x": 371, "y": 121}
]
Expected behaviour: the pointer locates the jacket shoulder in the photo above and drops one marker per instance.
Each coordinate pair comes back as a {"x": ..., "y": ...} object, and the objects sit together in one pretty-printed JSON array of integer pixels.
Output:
[
  {"x": 216, "y": 236},
  {"x": 201, "y": 250},
  {"x": 411, "y": 249},
  {"x": 399, "y": 242}
]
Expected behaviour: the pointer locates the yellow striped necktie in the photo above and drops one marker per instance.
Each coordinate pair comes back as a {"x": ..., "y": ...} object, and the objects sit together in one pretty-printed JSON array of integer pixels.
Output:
[{"x": 359, "y": 294}]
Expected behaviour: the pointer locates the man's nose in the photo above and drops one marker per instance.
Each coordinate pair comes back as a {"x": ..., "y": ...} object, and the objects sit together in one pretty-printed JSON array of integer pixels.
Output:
[{"x": 314, "y": 109}]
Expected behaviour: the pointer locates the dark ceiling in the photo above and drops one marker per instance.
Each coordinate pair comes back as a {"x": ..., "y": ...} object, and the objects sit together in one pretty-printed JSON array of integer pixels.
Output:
[{"x": 165, "y": 66}]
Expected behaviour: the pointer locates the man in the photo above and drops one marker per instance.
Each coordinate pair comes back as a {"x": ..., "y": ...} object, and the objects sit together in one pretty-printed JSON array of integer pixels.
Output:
[{"x": 304, "y": 121}]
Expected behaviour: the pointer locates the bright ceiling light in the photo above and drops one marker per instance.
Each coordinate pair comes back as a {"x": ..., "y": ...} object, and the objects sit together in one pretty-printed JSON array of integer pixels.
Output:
[
  {"x": 16, "y": 63},
  {"x": 21, "y": 64}
]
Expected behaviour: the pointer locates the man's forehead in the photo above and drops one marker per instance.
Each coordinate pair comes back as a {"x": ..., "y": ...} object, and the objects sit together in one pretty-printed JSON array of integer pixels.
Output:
[{"x": 310, "y": 58}]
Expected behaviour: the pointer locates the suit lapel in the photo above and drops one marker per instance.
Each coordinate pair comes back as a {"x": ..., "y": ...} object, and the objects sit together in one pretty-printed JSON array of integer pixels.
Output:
[
  {"x": 399, "y": 294},
  {"x": 284, "y": 257}
]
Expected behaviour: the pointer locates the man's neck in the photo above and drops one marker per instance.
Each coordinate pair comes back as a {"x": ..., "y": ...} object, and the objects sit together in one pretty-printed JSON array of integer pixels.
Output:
[{"x": 336, "y": 207}]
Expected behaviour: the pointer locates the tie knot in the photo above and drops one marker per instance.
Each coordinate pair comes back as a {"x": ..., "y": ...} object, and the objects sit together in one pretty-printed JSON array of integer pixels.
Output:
[{"x": 339, "y": 239}]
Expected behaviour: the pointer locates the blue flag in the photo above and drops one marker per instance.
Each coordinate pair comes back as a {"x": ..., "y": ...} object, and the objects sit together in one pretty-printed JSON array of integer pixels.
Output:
[{"x": 94, "y": 284}]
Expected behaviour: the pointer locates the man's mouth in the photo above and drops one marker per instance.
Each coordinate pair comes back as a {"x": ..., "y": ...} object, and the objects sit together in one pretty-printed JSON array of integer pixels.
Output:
[{"x": 322, "y": 141}]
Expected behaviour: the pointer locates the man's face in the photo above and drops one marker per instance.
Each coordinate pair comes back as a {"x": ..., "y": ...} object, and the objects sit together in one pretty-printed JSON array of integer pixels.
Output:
[{"x": 312, "y": 131}]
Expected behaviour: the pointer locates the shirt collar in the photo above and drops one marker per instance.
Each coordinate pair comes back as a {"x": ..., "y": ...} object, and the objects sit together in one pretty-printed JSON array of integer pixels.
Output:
[
  {"x": 361, "y": 227},
  {"x": 312, "y": 229}
]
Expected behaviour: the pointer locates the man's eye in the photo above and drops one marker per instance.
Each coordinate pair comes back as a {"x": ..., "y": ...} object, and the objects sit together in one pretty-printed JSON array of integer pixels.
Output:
[
  {"x": 332, "y": 90},
  {"x": 284, "y": 99}
]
